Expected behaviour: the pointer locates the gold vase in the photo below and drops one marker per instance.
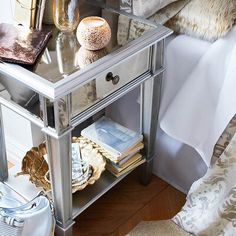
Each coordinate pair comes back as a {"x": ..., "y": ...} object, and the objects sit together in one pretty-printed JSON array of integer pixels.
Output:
[{"x": 66, "y": 14}]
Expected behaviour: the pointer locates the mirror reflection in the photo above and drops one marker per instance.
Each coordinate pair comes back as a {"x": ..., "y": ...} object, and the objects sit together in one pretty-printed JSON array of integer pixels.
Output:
[
  {"x": 86, "y": 95},
  {"x": 67, "y": 48}
]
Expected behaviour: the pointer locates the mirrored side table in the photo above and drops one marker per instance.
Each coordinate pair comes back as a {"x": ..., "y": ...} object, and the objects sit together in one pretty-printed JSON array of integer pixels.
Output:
[{"x": 74, "y": 85}]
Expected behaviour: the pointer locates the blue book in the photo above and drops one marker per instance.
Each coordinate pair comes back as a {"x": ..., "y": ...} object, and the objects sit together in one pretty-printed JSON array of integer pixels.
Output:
[{"x": 113, "y": 137}]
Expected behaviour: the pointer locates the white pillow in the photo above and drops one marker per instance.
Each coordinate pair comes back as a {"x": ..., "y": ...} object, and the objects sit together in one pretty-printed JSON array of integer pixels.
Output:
[{"x": 146, "y": 8}]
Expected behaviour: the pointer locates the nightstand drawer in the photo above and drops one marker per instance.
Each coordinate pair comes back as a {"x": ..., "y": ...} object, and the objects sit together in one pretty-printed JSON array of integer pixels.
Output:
[
  {"x": 109, "y": 81},
  {"x": 121, "y": 74}
]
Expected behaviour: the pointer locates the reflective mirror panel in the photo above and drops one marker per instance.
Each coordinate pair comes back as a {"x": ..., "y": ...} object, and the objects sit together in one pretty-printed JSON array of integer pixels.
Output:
[{"x": 64, "y": 55}]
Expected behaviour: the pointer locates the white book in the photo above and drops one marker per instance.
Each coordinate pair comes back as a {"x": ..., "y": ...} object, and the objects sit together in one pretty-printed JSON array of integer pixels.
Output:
[
  {"x": 126, "y": 156},
  {"x": 115, "y": 138}
]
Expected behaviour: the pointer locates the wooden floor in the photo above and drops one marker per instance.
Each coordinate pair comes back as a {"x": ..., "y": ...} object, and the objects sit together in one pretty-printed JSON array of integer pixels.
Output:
[{"x": 128, "y": 203}]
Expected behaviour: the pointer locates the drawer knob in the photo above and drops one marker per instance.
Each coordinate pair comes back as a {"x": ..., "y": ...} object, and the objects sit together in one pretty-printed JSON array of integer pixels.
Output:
[{"x": 115, "y": 79}]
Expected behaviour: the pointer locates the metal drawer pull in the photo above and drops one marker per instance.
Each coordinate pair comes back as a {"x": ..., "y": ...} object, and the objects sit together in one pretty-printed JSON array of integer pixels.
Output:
[{"x": 115, "y": 79}]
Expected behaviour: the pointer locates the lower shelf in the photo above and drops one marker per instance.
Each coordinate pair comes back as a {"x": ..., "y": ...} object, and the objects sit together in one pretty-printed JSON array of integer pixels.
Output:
[{"x": 81, "y": 199}]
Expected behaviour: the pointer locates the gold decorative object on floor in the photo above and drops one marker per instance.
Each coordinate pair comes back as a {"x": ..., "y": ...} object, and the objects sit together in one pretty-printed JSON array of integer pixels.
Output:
[{"x": 35, "y": 165}]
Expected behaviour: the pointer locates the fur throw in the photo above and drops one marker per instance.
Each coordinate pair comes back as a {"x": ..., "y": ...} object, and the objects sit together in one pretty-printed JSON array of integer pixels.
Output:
[{"x": 206, "y": 19}]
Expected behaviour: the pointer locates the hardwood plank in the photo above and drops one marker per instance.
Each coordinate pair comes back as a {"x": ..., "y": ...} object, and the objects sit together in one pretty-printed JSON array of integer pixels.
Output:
[
  {"x": 164, "y": 206},
  {"x": 117, "y": 206}
]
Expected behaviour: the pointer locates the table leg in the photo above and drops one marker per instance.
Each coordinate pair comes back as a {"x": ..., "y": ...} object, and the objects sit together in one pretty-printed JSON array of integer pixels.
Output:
[
  {"x": 150, "y": 102},
  {"x": 59, "y": 157},
  {"x": 3, "y": 157},
  {"x": 58, "y": 140},
  {"x": 64, "y": 232}
]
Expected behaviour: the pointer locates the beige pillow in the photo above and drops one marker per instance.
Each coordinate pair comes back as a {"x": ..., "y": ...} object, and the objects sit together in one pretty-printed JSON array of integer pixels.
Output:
[
  {"x": 132, "y": 29},
  {"x": 161, "y": 17},
  {"x": 146, "y": 8},
  {"x": 206, "y": 19}
]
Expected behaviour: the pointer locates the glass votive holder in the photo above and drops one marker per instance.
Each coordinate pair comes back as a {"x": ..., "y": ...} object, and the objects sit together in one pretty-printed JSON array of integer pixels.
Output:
[
  {"x": 93, "y": 33},
  {"x": 66, "y": 14}
]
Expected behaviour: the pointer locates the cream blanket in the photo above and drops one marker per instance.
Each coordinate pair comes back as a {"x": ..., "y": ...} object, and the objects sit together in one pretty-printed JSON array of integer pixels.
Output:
[{"x": 210, "y": 208}]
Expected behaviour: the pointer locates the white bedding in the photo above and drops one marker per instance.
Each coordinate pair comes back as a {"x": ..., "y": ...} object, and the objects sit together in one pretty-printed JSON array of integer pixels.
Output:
[
  {"x": 206, "y": 101},
  {"x": 178, "y": 163},
  {"x": 182, "y": 55}
]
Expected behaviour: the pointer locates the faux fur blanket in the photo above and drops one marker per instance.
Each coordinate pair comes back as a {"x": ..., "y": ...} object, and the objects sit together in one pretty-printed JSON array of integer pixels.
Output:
[{"x": 206, "y": 19}]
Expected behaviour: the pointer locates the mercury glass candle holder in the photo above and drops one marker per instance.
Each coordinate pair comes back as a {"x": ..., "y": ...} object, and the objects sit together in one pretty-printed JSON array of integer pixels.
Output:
[{"x": 93, "y": 33}]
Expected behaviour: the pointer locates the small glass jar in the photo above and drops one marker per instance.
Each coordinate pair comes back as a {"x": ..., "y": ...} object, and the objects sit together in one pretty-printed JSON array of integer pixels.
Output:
[{"x": 66, "y": 14}]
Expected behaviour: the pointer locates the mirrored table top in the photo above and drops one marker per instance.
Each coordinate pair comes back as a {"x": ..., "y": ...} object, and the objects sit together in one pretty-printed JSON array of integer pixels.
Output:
[
  {"x": 65, "y": 64},
  {"x": 64, "y": 55}
]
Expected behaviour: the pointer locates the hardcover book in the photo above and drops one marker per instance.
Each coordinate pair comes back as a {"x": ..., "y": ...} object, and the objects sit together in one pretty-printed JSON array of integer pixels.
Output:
[
  {"x": 118, "y": 168},
  {"x": 117, "y": 173},
  {"x": 115, "y": 138},
  {"x": 129, "y": 161}
]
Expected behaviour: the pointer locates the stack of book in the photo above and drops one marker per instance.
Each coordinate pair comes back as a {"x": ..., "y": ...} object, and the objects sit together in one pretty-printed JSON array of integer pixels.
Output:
[{"x": 118, "y": 144}]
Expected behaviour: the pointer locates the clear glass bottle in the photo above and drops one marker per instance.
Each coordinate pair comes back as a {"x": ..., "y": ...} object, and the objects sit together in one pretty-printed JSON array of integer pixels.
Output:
[{"x": 66, "y": 14}]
